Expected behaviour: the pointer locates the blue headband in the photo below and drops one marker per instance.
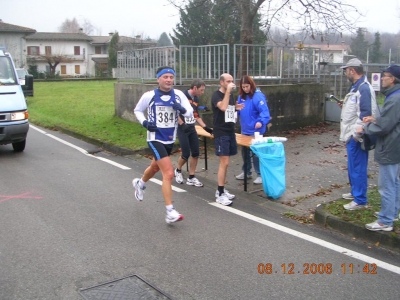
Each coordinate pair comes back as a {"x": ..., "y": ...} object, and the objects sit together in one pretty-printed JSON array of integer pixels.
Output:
[{"x": 163, "y": 71}]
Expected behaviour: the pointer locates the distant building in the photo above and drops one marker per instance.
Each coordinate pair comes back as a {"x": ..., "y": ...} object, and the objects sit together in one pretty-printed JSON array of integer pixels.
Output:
[
  {"x": 80, "y": 55},
  {"x": 13, "y": 38},
  {"x": 331, "y": 53}
]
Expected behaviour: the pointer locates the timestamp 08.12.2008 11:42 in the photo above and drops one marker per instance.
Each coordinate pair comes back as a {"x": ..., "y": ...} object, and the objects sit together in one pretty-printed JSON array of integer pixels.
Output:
[{"x": 316, "y": 268}]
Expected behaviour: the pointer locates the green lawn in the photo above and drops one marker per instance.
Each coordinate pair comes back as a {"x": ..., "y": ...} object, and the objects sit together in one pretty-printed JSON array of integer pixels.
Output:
[{"x": 86, "y": 107}]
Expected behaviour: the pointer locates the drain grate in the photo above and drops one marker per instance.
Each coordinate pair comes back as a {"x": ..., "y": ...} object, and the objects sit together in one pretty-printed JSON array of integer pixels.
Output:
[{"x": 128, "y": 288}]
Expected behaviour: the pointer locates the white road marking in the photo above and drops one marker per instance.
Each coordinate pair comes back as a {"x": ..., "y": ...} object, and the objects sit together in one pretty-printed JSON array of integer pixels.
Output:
[
  {"x": 311, "y": 239},
  {"x": 174, "y": 188},
  {"x": 298, "y": 234},
  {"x": 81, "y": 149}
]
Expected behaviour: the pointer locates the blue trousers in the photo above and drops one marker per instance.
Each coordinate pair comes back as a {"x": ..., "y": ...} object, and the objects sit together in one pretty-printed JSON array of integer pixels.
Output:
[
  {"x": 357, "y": 164},
  {"x": 389, "y": 189},
  {"x": 256, "y": 161}
]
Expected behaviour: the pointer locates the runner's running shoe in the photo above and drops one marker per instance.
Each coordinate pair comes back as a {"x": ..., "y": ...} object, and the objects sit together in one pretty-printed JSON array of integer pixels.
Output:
[
  {"x": 178, "y": 176},
  {"x": 138, "y": 190},
  {"x": 194, "y": 181},
  {"x": 173, "y": 216}
]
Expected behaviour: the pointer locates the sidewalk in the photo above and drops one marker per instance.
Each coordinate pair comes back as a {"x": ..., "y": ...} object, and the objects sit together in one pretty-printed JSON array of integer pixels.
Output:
[{"x": 316, "y": 173}]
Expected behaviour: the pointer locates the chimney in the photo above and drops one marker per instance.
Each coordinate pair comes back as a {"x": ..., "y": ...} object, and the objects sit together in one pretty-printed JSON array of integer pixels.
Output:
[
  {"x": 111, "y": 33},
  {"x": 138, "y": 36},
  {"x": 80, "y": 30}
]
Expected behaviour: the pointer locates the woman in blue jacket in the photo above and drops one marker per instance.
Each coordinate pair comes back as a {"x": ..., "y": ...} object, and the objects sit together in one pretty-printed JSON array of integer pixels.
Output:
[{"x": 254, "y": 117}]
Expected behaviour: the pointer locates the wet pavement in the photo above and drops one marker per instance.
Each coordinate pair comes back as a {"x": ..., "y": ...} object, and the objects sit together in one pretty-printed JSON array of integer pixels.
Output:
[{"x": 316, "y": 173}]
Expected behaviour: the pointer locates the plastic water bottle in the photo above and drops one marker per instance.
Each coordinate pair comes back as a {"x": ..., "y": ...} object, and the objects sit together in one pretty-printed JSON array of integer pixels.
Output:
[
  {"x": 268, "y": 139},
  {"x": 274, "y": 139}
]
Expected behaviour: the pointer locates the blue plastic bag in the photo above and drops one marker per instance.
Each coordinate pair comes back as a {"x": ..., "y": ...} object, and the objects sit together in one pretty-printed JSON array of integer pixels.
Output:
[{"x": 272, "y": 167}]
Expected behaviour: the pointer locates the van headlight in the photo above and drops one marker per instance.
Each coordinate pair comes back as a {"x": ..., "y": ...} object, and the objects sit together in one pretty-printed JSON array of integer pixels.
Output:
[{"x": 18, "y": 116}]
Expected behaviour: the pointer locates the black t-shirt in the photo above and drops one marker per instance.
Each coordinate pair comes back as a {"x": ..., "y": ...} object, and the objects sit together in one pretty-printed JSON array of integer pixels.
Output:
[{"x": 221, "y": 127}]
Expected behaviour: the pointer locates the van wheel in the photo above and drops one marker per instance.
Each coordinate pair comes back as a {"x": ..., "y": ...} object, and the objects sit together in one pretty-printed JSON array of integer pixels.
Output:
[{"x": 19, "y": 146}]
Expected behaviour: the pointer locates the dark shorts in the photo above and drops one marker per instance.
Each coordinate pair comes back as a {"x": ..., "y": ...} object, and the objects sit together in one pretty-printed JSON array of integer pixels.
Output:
[
  {"x": 160, "y": 150},
  {"x": 189, "y": 142},
  {"x": 225, "y": 145}
]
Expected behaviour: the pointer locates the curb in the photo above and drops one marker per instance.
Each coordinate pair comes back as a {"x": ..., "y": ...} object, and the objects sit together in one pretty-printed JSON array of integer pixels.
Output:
[
  {"x": 384, "y": 239},
  {"x": 105, "y": 146}
]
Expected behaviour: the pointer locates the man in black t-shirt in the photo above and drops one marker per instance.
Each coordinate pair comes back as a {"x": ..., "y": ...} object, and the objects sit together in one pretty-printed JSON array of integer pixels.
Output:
[{"x": 224, "y": 109}]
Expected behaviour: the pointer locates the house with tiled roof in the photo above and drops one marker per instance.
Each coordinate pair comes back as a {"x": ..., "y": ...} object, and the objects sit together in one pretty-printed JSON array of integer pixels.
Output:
[
  {"x": 68, "y": 52},
  {"x": 79, "y": 55},
  {"x": 331, "y": 53},
  {"x": 13, "y": 38}
]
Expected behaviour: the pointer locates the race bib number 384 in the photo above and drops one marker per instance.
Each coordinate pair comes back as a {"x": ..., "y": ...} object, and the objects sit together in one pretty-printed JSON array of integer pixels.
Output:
[{"x": 165, "y": 116}]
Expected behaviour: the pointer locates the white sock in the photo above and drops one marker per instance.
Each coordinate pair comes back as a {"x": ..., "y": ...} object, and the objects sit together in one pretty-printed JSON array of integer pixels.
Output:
[
  {"x": 169, "y": 207},
  {"x": 141, "y": 183}
]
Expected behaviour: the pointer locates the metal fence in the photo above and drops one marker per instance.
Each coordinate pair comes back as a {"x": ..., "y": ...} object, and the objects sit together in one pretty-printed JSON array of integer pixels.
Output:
[
  {"x": 208, "y": 62},
  {"x": 267, "y": 64},
  {"x": 143, "y": 63}
]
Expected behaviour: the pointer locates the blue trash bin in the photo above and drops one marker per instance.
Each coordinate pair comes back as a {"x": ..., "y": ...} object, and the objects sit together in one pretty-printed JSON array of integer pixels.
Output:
[{"x": 272, "y": 167}]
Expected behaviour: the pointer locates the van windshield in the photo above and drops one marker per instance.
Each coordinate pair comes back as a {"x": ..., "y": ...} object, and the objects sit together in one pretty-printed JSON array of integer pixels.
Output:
[{"x": 7, "y": 74}]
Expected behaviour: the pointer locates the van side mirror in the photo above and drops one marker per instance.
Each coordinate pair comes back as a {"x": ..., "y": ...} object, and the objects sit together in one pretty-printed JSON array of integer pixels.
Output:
[{"x": 28, "y": 87}]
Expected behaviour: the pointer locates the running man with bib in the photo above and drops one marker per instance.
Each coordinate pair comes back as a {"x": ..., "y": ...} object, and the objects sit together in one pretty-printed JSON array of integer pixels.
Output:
[{"x": 163, "y": 106}]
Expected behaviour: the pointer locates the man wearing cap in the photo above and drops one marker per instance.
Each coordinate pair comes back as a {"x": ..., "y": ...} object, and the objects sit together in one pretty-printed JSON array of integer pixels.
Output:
[
  {"x": 387, "y": 151},
  {"x": 359, "y": 102},
  {"x": 163, "y": 105}
]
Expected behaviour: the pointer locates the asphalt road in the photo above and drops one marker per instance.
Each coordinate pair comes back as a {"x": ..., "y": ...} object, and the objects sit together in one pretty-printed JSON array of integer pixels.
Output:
[{"x": 69, "y": 221}]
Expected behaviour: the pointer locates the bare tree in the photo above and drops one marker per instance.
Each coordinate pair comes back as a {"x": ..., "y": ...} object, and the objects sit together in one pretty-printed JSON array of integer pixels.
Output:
[
  {"x": 87, "y": 27},
  {"x": 70, "y": 26},
  {"x": 73, "y": 26},
  {"x": 55, "y": 60},
  {"x": 314, "y": 18}
]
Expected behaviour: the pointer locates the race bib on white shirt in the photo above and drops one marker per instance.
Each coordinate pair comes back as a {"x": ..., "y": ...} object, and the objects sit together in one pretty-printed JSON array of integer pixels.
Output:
[
  {"x": 230, "y": 114},
  {"x": 190, "y": 120},
  {"x": 165, "y": 116}
]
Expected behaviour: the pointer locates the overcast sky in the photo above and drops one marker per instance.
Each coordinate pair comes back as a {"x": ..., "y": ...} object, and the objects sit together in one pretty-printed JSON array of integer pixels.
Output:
[{"x": 150, "y": 18}]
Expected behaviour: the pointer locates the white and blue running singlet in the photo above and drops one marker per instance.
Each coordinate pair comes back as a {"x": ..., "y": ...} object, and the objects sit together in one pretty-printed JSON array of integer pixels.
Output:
[{"x": 161, "y": 112}]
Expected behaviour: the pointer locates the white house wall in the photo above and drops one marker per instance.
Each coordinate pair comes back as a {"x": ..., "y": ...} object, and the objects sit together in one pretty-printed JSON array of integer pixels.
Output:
[
  {"x": 15, "y": 45},
  {"x": 63, "y": 48}
]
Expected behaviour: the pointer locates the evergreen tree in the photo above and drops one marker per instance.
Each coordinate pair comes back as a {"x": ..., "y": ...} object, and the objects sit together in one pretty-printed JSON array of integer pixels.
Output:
[
  {"x": 375, "y": 55},
  {"x": 164, "y": 40},
  {"x": 212, "y": 22},
  {"x": 112, "y": 52},
  {"x": 359, "y": 46}
]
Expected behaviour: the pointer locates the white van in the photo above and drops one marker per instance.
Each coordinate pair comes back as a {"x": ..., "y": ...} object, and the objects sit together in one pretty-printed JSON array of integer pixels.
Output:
[{"x": 14, "y": 124}]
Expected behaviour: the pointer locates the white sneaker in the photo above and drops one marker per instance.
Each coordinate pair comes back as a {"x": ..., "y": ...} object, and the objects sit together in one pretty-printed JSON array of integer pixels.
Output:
[
  {"x": 194, "y": 181},
  {"x": 241, "y": 176},
  {"x": 353, "y": 206},
  {"x": 223, "y": 200},
  {"x": 375, "y": 226},
  {"x": 258, "y": 180},
  {"x": 226, "y": 193},
  {"x": 178, "y": 177},
  {"x": 138, "y": 190},
  {"x": 348, "y": 196},
  {"x": 376, "y": 214},
  {"x": 173, "y": 216}
]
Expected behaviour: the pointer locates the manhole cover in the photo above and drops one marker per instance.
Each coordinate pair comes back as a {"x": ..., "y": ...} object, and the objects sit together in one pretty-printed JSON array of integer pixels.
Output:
[{"x": 128, "y": 288}]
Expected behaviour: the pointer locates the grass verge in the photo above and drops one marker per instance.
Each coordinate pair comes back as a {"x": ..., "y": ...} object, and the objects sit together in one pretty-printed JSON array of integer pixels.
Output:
[
  {"x": 85, "y": 107},
  {"x": 361, "y": 216}
]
